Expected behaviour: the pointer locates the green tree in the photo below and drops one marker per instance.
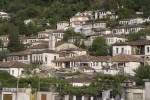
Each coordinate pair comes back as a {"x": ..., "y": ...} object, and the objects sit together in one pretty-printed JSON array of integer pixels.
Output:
[
  {"x": 125, "y": 13},
  {"x": 14, "y": 44},
  {"x": 112, "y": 23},
  {"x": 83, "y": 46},
  {"x": 138, "y": 35},
  {"x": 7, "y": 80},
  {"x": 69, "y": 33},
  {"x": 142, "y": 72},
  {"x": 30, "y": 70},
  {"x": 99, "y": 47},
  {"x": 77, "y": 42}
]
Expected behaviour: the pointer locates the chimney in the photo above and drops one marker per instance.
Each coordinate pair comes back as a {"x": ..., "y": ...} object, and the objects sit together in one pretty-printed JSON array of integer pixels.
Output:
[{"x": 52, "y": 42}]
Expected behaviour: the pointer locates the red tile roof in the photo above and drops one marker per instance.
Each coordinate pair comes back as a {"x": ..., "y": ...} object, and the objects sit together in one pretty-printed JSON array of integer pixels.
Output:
[
  {"x": 126, "y": 58},
  {"x": 13, "y": 65}
]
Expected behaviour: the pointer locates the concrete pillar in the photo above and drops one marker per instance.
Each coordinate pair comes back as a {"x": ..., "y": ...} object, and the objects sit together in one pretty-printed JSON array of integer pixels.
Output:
[
  {"x": 74, "y": 97},
  {"x": 92, "y": 98},
  {"x": 82, "y": 98},
  {"x": 103, "y": 98},
  {"x": 66, "y": 97},
  {"x": 130, "y": 96},
  {"x": 147, "y": 89}
]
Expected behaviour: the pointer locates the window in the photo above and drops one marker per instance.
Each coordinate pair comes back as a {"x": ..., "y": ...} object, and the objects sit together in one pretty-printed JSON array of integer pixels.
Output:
[
  {"x": 122, "y": 50},
  {"x": 12, "y": 71},
  {"x": 116, "y": 50},
  {"x": 54, "y": 57},
  {"x": 147, "y": 49},
  {"x": 45, "y": 58}
]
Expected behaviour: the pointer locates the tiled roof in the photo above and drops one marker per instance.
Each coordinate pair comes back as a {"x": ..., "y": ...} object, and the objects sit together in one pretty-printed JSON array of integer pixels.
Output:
[
  {"x": 128, "y": 26},
  {"x": 26, "y": 52},
  {"x": 84, "y": 58},
  {"x": 50, "y": 51},
  {"x": 140, "y": 42},
  {"x": 126, "y": 58},
  {"x": 88, "y": 68},
  {"x": 121, "y": 43},
  {"x": 39, "y": 46},
  {"x": 74, "y": 49},
  {"x": 76, "y": 37},
  {"x": 12, "y": 65},
  {"x": 134, "y": 43},
  {"x": 114, "y": 35},
  {"x": 58, "y": 31},
  {"x": 60, "y": 43},
  {"x": 79, "y": 80}
]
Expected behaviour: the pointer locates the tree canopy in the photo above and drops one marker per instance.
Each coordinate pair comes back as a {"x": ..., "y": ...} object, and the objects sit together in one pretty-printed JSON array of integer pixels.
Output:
[
  {"x": 52, "y": 11},
  {"x": 14, "y": 44},
  {"x": 138, "y": 35},
  {"x": 142, "y": 72},
  {"x": 99, "y": 47}
]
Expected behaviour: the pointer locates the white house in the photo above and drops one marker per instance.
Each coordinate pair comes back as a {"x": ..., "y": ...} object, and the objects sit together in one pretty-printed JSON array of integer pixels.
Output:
[
  {"x": 63, "y": 25},
  {"x": 44, "y": 34},
  {"x": 112, "y": 38},
  {"x": 101, "y": 24},
  {"x": 121, "y": 48},
  {"x": 100, "y": 14},
  {"x": 13, "y": 67},
  {"x": 4, "y": 39},
  {"x": 96, "y": 63},
  {"x": 58, "y": 34},
  {"x": 124, "y": 22},
  {"x": 23, "y": 56},
  {"x": 135, "y": 21},
  {"x": 127, "y": 29},
  {"x": 132, "y": 21},
  {"x": 75, "y": 51},
  {"x": 138, "y": 48},
  {"x": 4, "y": 15},
  {"x": 77, "y": 20},
  {"x": 91, "y": 25},
  {"x": 126, "y": 63},
  {"x": 48, "y": 57}
]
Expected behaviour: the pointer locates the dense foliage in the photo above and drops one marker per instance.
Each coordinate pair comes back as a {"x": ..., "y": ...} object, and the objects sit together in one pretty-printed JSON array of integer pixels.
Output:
[
  {"x": 48, "y": 12},
  {"x": 142, "y": 72},
  {"x": 99, "y": 47},
  {"x": 138, "y": 35},
  {"x": 7, "y": 80},
  {"x": 14, "y": 44}
]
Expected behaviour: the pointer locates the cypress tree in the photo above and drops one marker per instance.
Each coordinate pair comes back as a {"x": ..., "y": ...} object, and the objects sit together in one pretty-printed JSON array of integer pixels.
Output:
[{"x": 14, "y": 44}]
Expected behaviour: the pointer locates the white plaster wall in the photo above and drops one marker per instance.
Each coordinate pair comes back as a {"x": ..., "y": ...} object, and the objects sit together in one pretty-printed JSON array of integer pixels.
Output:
[
  {"x": 130, "y": 67},
  {"x": 146, "y": 52},
  {"x": 50, "y": 58},
  {"x": 127, "y": 50},
  {"x": 80, "y": 84},
  {"x": 17, "y": 71},
  {"x": 62, "y": 26},
  {"x": 21, "y": 96},
  {"x": 49, "y": 95},
  {"x": 112, "y": 40}
]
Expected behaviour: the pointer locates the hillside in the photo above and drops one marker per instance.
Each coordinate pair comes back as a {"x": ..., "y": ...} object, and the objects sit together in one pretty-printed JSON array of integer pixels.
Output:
[{"x": 52, "y": 11}]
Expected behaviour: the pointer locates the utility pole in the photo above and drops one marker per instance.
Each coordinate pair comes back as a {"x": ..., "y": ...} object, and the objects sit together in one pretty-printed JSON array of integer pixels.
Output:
[{"x": 17, "y": 85}]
